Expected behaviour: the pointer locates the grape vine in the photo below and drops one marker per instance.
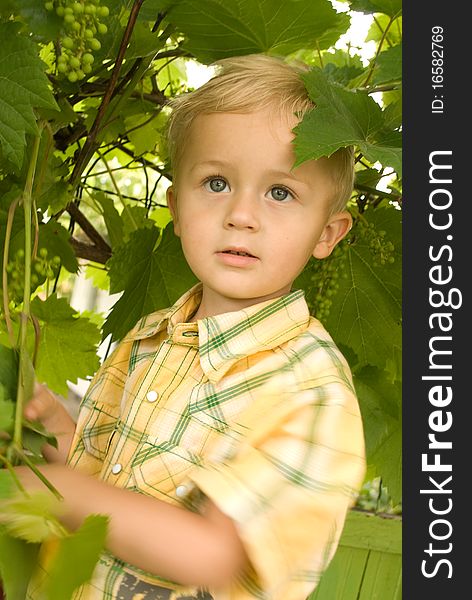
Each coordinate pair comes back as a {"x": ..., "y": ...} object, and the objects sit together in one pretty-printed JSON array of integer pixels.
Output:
[
  {"x": 81, "y": 24},
  {"x": 43, "y": 268},
  {"x": 325, "y": 274},
  {"x": 381, "y": 249}
]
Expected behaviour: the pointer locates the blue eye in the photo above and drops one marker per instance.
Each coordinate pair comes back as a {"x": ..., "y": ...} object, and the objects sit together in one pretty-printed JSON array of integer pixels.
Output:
[
  {"x": 280, "y": 194},
  {"x": 216, "y": 184}
]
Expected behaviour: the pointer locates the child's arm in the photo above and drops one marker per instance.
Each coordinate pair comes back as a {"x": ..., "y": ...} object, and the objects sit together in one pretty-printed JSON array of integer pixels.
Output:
[
  {"x": 48, "y": 410},
  {"x": 161, "y": 538}
]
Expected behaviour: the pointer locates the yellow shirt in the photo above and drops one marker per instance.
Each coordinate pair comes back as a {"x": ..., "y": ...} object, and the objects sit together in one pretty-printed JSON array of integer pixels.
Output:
[{"x": 254, "y": 409}]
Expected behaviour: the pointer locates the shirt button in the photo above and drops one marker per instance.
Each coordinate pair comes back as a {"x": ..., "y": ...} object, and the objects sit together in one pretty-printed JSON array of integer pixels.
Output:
[
  {"x": 180, "y": 491},
  {"x": 116, "y": 469},
  {"x": 152, "y": 396}
]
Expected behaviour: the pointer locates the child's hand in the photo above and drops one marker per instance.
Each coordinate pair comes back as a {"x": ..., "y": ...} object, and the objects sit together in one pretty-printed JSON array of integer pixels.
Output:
[
  {"x": 42, "y": 405},
  {"x": 46, "y": 408}
]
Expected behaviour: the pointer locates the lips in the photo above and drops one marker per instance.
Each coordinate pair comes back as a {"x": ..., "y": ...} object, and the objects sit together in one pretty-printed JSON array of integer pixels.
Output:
[
  {"x": 237, "y": 257},
  {"x": 238, "y": 252}
]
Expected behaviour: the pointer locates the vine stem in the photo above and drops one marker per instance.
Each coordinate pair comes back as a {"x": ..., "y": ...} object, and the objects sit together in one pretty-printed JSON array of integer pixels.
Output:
[
  {"x": 6, "y": 249},
  {"x": 318, "y": 51},
  {"x": 25, "y": 313},
  {"x": 89, "y": 146},
  {"x": 379, "y": 48},
  {"x": 10, "y": 468},
  {"x": 126, "y": 208},
  {"x": 25, "y": 458}
]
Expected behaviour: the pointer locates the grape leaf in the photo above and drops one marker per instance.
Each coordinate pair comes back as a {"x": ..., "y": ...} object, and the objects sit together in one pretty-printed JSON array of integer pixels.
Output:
[
  {"x": 388, "y": 66},
  {"x": 31, "y": 517},
  {"x": 368, "y": 177},
  {"x": 45, "y": 25},
  {"x": 7, "y": 412},
  {"x": 366, "y": 311},
  {"x": 343, "y": 74},
  {"x": 111, "y": 216},
  {"x": 8, "y": 371},
  {"x": 143, "y": 42},
  {"x": 378, "y": 27},
  {"x": 135, "y": 217},
  {"x": 76, "y": 558},
  {"x": 23, "y": 87},
  {"x": 392, "y": 8},
  {"x": 143, "y": 133},
  {"x": 68, "y": 344},
  {"x": 18, "y": 560},
  {"x": 220, "y": 28},
  {"x": 342, "y": 118},
  {"x": 151, "y": 8},
  {"x": 379, "y": 401},
  {"x": 393, "y": 112},
  {"x": 150, "y": 278},
  {"x": 161, "y": 216},
  {"x": 55, "y": 238},
  {"x": 57, "y": 196},
  {"x": 35, "y": 436},
  {"x": 98, "y": 276}
]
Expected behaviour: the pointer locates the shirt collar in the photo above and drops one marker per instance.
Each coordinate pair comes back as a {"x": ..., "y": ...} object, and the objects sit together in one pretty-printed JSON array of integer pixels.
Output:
[
  {"x": 180, "y": 313},
  {"x": 226, "y": 338}
]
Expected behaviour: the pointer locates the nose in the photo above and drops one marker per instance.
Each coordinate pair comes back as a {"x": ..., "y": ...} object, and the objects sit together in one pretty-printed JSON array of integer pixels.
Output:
[{"x": 242, "y": 212}]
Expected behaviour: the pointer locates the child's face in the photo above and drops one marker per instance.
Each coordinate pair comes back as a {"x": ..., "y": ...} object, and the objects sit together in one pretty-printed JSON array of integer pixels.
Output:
[{"x": 248, "y": 222}]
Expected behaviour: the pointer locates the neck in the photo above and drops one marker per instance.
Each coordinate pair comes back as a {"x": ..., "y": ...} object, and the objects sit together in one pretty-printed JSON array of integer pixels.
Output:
[{"x": 213, "y": 304}]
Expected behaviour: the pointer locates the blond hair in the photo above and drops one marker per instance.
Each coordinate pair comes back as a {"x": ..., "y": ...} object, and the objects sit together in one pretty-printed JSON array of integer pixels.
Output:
[{"x": 244, "y": 84}]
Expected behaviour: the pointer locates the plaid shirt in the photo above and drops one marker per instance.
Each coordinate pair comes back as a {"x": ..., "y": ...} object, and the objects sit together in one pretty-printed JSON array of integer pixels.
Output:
[{"x": 253, "y": 409}]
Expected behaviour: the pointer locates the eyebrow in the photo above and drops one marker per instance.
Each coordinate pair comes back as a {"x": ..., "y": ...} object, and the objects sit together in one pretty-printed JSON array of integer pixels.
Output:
[
  {"x": 222, "y": 164},
  {"x": 209, "y": 163}
]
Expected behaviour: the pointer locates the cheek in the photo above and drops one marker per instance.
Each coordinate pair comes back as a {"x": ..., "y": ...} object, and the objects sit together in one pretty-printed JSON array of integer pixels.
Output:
[
  {"x": 194, "y": 235},
  {"x": 295, "y": 247}
]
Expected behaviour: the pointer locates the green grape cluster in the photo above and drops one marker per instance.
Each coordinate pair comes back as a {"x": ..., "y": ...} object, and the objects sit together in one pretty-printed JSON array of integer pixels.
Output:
[
  {"x": 381, "y": 249},
  {"x": 325, "y": 278},
  {"x": 81, "y": 24},
  {"x": 42, "y": 268}
]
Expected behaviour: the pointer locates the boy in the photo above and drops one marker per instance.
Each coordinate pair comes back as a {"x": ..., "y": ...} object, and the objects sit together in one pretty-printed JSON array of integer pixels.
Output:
[{"x": 223, "y": 435}]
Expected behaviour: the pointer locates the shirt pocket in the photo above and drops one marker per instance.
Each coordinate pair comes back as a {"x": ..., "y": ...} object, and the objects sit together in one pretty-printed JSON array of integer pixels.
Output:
[
  {"x": 99, "y": 428},
  {"x": 159, "y": 468}
]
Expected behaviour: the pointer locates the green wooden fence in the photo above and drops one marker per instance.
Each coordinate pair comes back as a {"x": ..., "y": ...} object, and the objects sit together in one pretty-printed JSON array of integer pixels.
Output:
[{"x": 367, "y": 564}]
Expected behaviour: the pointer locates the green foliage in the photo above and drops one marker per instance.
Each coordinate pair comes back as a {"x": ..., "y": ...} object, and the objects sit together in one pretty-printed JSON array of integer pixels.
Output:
[
  {"x": 8, "y": 386},
  {"x": 220, "y": 28},
  {"x": 366, "y": 311},
  {"x": 392, "y": 8},
  {"x": 24, "y": 87},
  {"x": 7, "y": 412},
  {"x": 31, "y": 517},
  {"x": 150, "y": 276},
  {"x": 8, "y": 372},
  {"x": 76, "y": 558},
  {"x": 344, "y": 118},
  {"x": 381, "y": 414},
  {"x": 83, "y": 162},
  {"x": 389, "y": 65},
  {"x": 68, "y": 344},
  {"x": 18, "y": 560},
  {"x": 81, "y": 25},
  {"x": 25, "y": 522}
]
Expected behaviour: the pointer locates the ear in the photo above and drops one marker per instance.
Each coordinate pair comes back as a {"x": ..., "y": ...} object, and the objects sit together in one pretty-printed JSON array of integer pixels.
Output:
[
  {"x": 336, "y": 228},
  {"x": 172, "y": 205}
]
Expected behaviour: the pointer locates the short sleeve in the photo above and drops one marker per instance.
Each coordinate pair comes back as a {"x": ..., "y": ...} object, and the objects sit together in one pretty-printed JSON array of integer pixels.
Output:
[{"x": 288, "y": 492}]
